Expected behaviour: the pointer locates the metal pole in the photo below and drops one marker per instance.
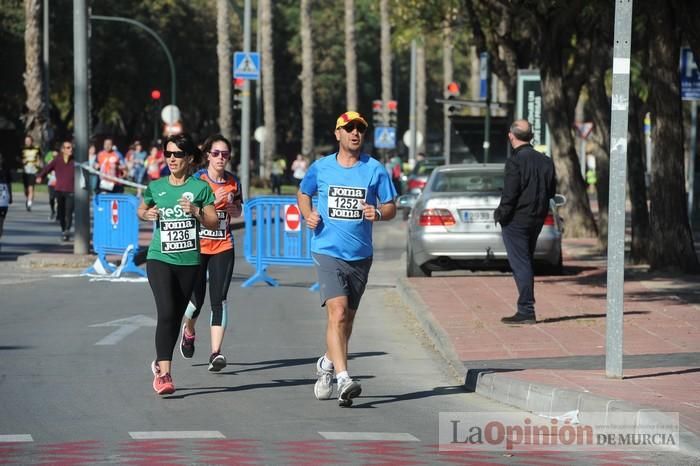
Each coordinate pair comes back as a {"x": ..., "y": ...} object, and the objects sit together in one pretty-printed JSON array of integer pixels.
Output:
[
  {"x": 173, "y": 78},
  {"x": 258, "y": 97},
  {"x": 691, "y": 159},
  {"x": 245, "y": 109},
  {"x": 618, "y": 178},
  {"x": 81, "y": 245},
  {"x": 487, "y": 118},
  {"x": 412, "y": 109}
]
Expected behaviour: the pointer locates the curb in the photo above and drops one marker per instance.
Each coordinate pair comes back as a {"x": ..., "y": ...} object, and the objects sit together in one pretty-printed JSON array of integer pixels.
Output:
[
  {"x": 540, "y": 399},
  {"x": 548, "y": 400}
]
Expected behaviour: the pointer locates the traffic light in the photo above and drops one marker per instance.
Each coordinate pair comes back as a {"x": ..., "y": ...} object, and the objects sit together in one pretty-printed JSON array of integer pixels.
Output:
[
  {"x": 377, "y": 119},
  {"x": 392, "y": 106},
  {"x": 238, "y": 92},
  {"x": 155, "y": 94},
  {"x": 451, "y": 93}
]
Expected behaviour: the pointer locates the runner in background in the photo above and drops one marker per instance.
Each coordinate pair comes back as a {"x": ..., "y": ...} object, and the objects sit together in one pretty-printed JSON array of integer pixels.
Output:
[
  {"x": 63, "y": 166},
  {"x": 178, "y": 204},
  {"x": 5, "y": 192},
  {"x": 31, "y": 164},
  {"x": 218, "y": 256},
  {"x": 51, "y": 181}
]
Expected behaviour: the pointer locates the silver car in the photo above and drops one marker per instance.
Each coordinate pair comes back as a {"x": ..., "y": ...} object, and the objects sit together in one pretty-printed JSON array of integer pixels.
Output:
[{"x": 451, "y": 224}]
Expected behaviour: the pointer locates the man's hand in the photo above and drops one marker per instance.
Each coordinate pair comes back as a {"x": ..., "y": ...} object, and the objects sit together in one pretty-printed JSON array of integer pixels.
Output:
[
  {"x": 370, "y": 212},
  {"x": 151, "y": 213},
  {"x": 234, "y": 209},
  {"x": 313, "y": 220}
]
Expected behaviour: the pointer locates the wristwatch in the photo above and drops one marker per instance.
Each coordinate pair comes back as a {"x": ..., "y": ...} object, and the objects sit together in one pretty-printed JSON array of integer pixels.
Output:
[{"x": 378, "y": 213}]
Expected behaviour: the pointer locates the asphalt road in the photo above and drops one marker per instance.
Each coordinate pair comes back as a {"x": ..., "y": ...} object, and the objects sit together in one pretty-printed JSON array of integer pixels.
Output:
[{"x": 76, "y": 387}]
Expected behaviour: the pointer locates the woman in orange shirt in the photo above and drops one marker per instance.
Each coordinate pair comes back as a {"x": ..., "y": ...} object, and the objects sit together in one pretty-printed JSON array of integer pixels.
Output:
[{"x": 217, "y": 252}]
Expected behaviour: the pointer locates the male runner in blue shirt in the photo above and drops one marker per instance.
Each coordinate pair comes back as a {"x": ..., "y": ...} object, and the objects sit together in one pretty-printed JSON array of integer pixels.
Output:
[{"x": 354, "y": 191}]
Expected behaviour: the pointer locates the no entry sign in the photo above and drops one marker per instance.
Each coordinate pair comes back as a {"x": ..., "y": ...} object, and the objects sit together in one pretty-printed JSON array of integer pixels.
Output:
[{"x": 292, "y": 218}]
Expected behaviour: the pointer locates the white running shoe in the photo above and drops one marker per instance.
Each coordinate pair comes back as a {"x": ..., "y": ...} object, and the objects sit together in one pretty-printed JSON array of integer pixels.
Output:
[
  {"x": 323, "y": 389},
  {"x": 347, "y": 390}
]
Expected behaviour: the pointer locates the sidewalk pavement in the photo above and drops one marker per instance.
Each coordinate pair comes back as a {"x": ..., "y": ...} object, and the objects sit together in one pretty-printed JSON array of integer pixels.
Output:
[{"x": 558, "y": 365}]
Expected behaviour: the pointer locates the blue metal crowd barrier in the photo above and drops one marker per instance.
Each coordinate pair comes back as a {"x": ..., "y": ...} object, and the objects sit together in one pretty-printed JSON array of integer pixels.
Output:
[
  {"x": 275, "y": 234},
  {"x": 115, "y": 231}
]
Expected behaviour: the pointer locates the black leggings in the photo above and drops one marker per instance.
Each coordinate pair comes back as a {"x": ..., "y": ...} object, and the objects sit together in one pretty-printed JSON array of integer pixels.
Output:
[
  {"x": 220, "y": 268},
  {"x": 172, "y": 287},
  {"x": 65, "y": 208}
]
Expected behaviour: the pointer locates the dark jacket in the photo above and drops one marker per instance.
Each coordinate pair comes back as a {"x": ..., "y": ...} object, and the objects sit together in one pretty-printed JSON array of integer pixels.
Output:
[
  {"x": 65, "y": 173},
  {"x": 529, "y": 184}
]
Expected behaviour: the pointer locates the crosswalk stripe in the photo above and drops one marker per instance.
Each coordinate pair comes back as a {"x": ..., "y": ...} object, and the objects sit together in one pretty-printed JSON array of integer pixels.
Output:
[
  {"x": 16, "y": 438},
  {"x": 176, "y": 434},
  {"x": 386, "y": 436}
]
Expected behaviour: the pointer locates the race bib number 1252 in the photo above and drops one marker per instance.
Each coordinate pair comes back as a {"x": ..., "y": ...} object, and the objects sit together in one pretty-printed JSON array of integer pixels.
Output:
[{"x": 345, "y": 203}]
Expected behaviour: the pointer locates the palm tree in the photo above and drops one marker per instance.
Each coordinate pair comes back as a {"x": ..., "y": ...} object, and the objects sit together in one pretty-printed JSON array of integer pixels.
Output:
[
  {"x": 447, "y": 77},
  {"x": 35, "y": 119},
  {"x": 223, "y": 53},
  {"x": 307, "y": 81},
  {"x": 268, "y": 85},
  {"x": 385, "y": 58},
  {"x": 350, "y": 56},
  {"x": 421, "y": 125}
]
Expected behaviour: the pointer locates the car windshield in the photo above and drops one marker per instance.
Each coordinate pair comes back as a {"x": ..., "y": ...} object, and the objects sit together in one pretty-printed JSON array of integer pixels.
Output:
[
  {"x": 458, "y": 182},
  {"x": 425, "y": 167}
]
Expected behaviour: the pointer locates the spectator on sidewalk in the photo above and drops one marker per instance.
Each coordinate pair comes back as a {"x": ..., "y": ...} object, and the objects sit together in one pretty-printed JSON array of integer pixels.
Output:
[
  {"x": 529, "y": 185},
  {"x": 277, "y": 174},
  {"x": 299, "y": 167},
  {"x": 110, "y": 162},
  {"x": 64, "y": 167}
]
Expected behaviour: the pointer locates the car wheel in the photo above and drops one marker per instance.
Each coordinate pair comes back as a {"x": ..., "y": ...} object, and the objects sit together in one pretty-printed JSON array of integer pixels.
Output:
[
  {"x": 406, "y": 214},
  {"x": 413, "y": 269}
]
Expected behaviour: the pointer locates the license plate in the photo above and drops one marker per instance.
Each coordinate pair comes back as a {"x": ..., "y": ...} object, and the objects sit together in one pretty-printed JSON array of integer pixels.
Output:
[{"x": 477, "y": 216}]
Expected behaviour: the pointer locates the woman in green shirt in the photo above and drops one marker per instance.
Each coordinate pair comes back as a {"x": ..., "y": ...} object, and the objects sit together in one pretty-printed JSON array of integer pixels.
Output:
[{"x": 178, "y": 204}]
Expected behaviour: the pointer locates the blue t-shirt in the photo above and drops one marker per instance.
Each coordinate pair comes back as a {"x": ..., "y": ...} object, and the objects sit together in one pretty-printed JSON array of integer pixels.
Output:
[{"x": 343, "y": 232}]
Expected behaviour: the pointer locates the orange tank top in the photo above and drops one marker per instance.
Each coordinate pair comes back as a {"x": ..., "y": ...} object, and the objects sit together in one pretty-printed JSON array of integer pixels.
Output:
[{"x": 219, "y": 240}]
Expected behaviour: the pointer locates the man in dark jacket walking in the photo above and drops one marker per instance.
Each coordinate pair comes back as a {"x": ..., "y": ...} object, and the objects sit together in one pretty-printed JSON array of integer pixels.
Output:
[{"x": 529, "y": 185}]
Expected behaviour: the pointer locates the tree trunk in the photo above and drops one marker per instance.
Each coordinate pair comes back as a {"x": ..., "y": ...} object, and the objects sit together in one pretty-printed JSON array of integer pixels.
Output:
[
  {"x": 223, "y": 53},
  {"x": 35, "y": 118},
  {"x": 447, "y": 77},
  {"x": 637, "y": 185},
  {"x": 268, "y": 88},
  {"x": 599, "y": 108},
  {"x": 307, "y": 81},
  {"x": 421, "y": 91},
  {"x": 385, "y": 58},
  {"x": 350, "y": 57},
  {"x": 671, "y": 245},
  {"x": 576, "y": 211}
]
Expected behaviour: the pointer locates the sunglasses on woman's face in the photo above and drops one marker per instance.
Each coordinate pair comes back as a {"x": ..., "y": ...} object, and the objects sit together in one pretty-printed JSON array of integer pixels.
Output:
[
  {"x": 177, "y": 154},
  {"x": 350, "y": 127},
  {"x": 220, "y": 153}
]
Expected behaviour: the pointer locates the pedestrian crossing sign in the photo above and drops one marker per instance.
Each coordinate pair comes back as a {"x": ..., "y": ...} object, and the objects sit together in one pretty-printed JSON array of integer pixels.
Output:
[
  {"x": 246, "y": 65},
  {"x": 385, "y": 137}
]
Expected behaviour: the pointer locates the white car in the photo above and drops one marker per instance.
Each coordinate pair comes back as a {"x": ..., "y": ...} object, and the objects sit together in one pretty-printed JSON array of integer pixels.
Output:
[{"x": 451, "y": 224}]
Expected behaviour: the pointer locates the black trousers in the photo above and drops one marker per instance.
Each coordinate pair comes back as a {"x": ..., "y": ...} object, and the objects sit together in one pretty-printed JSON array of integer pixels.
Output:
[
  {"x": 65, "y": 205},
  {"x": 520, "y": 242},
  {"x": 172, "y": 287},
  {"x": 220, "y": 268}
]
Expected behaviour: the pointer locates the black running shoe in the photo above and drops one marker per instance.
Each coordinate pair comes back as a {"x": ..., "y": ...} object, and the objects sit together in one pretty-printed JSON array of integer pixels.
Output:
[
  {"x": 186, "y": 344},
  {"x": 216, "y": 362}
]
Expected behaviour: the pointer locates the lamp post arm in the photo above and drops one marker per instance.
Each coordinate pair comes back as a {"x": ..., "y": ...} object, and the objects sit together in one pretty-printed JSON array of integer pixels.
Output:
[{"x": 155, "y": 36}]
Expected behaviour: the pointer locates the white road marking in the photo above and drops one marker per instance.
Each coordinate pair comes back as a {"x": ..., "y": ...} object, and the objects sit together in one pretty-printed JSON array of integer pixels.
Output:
[
  {"x": 16, "y": 438},
  {"x": 176, "y": 434},
  {"x": 386, "y": 436},
  {"x": 126, "y": 327}
]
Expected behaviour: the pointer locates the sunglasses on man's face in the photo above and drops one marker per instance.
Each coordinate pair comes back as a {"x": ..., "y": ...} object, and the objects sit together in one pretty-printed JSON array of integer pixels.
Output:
[
  {"x": 177, "y": 154},
  {"x": 220, "y": 153},
  {"x": 355, "y": 125}
]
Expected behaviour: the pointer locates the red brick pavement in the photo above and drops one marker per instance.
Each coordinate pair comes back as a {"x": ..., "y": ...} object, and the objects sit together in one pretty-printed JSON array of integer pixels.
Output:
[{"x": 662, "y": 316}]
